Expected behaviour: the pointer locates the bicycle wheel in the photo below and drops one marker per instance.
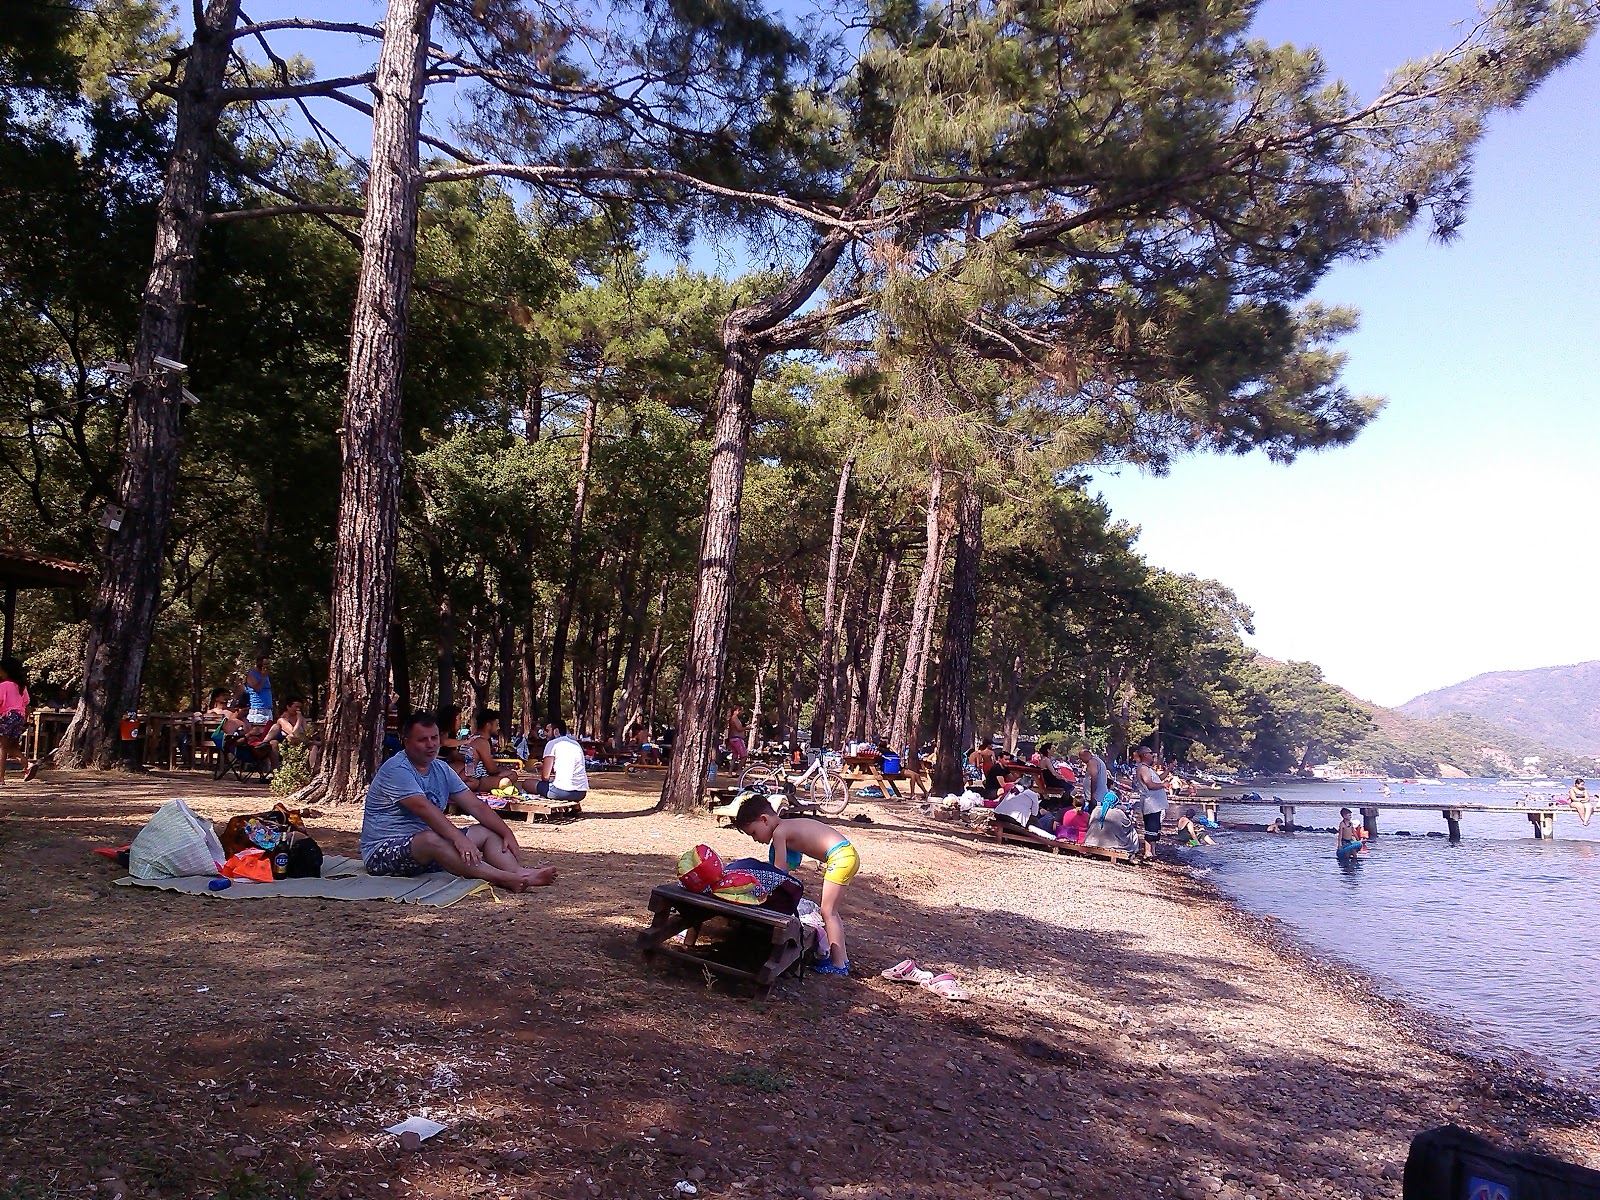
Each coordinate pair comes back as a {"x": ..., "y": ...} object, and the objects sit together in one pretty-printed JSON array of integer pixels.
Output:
[
  {"x": 766, "y": 776},
  {"x": 825, "y": 792}
]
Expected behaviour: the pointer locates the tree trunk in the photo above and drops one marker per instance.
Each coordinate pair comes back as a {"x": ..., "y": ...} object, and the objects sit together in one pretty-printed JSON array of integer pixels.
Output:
[
  {"x": 706, "y": 651},
  {"x": 400, "y": 668},
  {"x": 822, "y": 716},
  {"x": 955, "y": 651},
  {"x": 749, "y": 334},
  {"x": 371, "y": 477},
  {"x": 631, "y": 707},
  {"x": 1016, "y": 699},
  {"x": 873, "y": 709},
  {"x": 925, "y": 652},
  {"x": 123, "y": 617},
  {"x": 757, "y": 713},
  {"x": 508, "y": 666},
  {"x": 197, "y": 667},
  {"x": 900, "y": 732},
  {"x": 444, "y": 642},
  {"x": 558, "y": 648}
]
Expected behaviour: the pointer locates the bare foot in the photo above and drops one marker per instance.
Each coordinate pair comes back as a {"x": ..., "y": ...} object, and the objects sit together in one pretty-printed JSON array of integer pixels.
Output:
[{"x": 539, "y": 876}]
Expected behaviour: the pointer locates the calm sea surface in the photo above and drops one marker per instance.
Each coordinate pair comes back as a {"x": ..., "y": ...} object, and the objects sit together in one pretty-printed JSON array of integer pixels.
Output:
[{"x": 1500, "y": 931}]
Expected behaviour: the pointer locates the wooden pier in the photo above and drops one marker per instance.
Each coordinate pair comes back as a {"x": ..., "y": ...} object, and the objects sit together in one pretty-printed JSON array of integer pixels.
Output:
[{"x": 1541, "y": 817}]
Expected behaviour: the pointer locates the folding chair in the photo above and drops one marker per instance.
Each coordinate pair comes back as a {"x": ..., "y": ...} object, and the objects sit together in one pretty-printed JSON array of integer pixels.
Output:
[{"x": 239, "y": 757}]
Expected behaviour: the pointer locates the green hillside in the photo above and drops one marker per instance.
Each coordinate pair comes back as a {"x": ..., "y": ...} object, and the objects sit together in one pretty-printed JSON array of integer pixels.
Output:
[
  {"x": 1553, "y": 706},
  {"x": 1404, "y": 745}
]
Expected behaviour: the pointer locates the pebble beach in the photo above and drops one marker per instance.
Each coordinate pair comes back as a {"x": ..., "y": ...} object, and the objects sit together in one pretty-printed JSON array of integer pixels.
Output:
[{"x": 1128, "y": 1032}]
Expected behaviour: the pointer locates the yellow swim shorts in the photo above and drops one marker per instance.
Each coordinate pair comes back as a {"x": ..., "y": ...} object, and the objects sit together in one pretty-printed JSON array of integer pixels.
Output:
[{"x": 842, "y": 864}]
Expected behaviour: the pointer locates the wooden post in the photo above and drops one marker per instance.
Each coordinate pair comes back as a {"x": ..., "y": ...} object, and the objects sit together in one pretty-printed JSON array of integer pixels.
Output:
[
  {"x": 1452, "y": 820},
  {"x": 1288, "y": 817},
  {"x": 1544, "y": 824},
  {"x": 1369, "y": 820}
]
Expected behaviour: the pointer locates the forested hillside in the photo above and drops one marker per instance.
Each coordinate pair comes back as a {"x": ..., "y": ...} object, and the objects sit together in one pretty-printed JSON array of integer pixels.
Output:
[{"x": 1558, "y": 706}]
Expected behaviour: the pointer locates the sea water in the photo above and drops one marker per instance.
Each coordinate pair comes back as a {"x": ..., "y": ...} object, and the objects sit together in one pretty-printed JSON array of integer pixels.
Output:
[{"x": 1499, "y": 932}]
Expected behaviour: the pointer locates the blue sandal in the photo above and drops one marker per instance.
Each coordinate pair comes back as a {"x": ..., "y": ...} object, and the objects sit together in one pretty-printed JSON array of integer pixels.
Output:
[{"x": 826, "y": 967}]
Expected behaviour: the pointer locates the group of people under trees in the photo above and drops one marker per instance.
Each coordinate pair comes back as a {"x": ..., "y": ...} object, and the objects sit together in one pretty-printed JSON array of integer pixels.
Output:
[
  {"x": 249, "y": 726},
  {"x": 1078, "y": 794},
  {"x": 406, "y": 829}
]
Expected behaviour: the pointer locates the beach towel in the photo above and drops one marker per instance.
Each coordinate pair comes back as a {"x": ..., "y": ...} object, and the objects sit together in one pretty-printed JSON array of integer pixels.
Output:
[{"x": 342, "y": 879}]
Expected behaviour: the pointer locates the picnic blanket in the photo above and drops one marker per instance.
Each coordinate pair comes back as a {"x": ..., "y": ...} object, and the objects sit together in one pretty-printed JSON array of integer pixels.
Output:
[{"x": 342, "y": 879}]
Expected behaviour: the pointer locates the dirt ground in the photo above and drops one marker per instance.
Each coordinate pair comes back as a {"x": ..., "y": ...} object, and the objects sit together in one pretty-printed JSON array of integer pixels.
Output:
[{"x": 1129, "y": 1034}]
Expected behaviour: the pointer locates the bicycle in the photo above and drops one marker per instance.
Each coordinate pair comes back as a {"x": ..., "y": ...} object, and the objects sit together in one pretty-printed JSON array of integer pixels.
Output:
[{"x": 820, "y": 788}]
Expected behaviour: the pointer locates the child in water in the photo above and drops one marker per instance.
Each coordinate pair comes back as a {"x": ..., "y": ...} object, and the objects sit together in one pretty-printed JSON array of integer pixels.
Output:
[
  {"x": 1349, "y": 831},
  {"x": 792, "y": 838}
]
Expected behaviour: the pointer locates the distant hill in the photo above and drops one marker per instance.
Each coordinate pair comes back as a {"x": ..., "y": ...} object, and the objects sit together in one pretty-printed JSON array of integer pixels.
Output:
[
  {"x": 1403, "y": 745},
  {"x": 1555, "y": 706}
]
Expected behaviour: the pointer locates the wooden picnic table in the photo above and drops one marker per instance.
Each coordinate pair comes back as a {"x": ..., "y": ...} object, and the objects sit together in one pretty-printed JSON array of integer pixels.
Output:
[
  {"x": 783, "y": 937},
  {"x": 868, "y": 769}
]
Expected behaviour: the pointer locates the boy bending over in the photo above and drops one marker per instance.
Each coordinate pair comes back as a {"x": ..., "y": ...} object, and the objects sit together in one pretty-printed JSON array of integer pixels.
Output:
[{"x": 792, "y": 838}]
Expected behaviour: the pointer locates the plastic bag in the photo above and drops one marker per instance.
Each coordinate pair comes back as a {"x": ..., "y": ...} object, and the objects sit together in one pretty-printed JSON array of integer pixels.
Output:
[
  {"x": 251, "y": 864},
  {"x": 175, "y": 842}
]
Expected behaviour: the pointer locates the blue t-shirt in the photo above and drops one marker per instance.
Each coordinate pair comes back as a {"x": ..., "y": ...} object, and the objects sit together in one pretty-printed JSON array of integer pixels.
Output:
[{"x": 385, "y": 817}]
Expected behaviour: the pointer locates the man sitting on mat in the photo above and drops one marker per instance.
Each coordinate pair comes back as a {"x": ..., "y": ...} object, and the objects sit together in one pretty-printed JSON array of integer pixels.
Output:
[{"x": 404, "y": 830}]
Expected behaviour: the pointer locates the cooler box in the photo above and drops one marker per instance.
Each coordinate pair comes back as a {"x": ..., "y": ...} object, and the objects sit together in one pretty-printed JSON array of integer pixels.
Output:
[
  {"x": 891, "y": 764},
  {"x": 1451, "y": 1164}
]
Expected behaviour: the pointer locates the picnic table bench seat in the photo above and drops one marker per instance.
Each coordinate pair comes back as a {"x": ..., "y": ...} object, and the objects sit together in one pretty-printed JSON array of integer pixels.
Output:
[
  {"x": 782, "y": 937},
  {"x": 1000, "y": 831},
  {"x": 541, "y": 809}
]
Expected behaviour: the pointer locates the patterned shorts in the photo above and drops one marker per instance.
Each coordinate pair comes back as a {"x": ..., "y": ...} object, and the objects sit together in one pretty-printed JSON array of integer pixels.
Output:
[
  {"x": 12, "y": 724},
  {"x": 392, "y": 856}
]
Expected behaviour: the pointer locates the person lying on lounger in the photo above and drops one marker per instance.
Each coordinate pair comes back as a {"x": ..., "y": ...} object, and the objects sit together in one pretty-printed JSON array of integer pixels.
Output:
[{"x": 404, "y": 830}]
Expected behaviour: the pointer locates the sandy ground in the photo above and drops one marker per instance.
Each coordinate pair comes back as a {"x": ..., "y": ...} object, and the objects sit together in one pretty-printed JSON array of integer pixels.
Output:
[{"x": 1129, "y": 1034}]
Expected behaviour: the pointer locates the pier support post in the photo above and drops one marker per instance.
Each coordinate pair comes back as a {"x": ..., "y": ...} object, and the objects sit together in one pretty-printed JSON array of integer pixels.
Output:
[
  {"x": 1288, "y": 817},
  {"x": 1452, "y": 819},
  {"x": 1369, "y": 820},
  {"x": 1544, "y": 824}
]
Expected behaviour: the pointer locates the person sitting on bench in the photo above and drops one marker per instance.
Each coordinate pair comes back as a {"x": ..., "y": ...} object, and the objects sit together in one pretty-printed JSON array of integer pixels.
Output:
[
  {"x": 561, "y": 773},
  {"x": 404, "y": 830},
  {"x": 484, "y": 773},
  {"x": 1018, "y": 807}
]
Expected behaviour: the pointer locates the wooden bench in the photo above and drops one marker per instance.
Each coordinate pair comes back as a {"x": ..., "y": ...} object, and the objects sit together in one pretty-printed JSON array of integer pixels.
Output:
[
  {"x": 635, "y": 768},
  {"x": 1001, "y": 832},
  {"x": 781, "y": 937},
  {"x": 540, "y": 809}
]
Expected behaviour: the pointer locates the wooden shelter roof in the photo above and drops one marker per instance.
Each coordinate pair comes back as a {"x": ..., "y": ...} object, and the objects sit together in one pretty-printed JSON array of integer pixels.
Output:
[{"x": 22, "y": 569}]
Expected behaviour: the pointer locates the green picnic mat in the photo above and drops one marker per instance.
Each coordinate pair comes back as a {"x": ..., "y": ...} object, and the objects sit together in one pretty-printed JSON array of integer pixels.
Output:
[{"x": 342, "y": 879}]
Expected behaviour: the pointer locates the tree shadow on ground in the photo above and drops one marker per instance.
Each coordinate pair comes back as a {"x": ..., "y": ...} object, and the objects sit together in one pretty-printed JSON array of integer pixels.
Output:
[{"x": 193, "y": 1033}]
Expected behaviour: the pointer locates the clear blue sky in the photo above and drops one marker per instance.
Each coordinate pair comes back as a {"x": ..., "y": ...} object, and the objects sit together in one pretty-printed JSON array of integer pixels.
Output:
[{"x": 1456, "y": 535}]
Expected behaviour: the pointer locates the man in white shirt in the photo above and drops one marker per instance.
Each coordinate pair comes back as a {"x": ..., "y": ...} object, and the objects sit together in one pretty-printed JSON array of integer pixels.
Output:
[{"x": 561, "y": 773}]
